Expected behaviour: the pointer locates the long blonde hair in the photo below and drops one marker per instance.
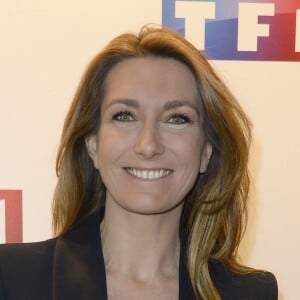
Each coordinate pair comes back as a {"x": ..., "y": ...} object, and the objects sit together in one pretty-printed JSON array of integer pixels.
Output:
[{"x": 215, "y": 209}]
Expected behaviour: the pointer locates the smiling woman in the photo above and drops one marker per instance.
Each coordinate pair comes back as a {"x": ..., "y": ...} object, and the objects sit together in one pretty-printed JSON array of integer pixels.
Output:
[
  {"x": 150, "y": 146},
  {"x": 152, "y": 185}
]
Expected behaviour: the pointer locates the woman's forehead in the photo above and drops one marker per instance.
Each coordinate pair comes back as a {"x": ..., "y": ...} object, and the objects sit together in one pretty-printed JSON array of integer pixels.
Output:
[{"x": 151, "y": 78}]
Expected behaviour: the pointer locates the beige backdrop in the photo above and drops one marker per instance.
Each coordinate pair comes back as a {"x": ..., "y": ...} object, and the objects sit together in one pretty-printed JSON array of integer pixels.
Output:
[{"x": 44, "y": 48}]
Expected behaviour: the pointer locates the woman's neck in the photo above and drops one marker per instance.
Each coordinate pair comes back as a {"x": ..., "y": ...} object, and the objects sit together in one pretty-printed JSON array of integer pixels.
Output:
[{"x": 142, "y": 247}]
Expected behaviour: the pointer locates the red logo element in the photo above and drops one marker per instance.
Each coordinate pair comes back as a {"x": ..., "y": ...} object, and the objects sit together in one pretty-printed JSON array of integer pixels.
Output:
[{"x": 11, "y": 219}]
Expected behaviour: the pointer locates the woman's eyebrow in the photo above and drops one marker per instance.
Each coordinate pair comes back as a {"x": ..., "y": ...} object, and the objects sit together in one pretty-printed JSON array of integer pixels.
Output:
[
  {"x": 179, "y": 103},
  {"x": 128, "y": 102}
]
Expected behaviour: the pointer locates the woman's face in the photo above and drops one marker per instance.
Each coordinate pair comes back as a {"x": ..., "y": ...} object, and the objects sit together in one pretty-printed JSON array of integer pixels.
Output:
[{"x": 150, "y": 146}]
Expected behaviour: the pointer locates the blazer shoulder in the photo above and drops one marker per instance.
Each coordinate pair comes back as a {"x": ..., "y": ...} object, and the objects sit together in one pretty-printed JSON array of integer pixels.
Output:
[
  {"x": 257, "y": 285},
  {"x": 27, "y": 266},
  {"x": 20, "y": 251}
]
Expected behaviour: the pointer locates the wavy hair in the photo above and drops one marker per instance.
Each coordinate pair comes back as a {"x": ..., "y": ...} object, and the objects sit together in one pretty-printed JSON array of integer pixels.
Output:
[{"x": 214, "y": 212}]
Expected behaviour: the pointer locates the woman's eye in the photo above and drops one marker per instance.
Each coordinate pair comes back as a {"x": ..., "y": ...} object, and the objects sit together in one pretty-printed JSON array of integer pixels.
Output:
[
  {"x": 123, "y": 116},
  {"x": 179, "y": 119}
]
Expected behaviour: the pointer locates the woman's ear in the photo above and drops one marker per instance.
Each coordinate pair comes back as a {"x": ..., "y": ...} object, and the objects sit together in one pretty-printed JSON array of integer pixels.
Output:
[
  {"x": 91, "y": 145},
  {"x": 205, "y": 157}
]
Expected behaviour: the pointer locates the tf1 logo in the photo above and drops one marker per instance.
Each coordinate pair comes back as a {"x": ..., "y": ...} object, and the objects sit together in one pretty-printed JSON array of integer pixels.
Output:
[
  {"x": 238, "y": 30},
  {"x": 11, "y": 230}
]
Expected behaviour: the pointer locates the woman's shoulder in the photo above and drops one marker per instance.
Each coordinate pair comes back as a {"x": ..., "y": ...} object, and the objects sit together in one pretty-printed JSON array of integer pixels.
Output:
[
  {"x": 22, "y": 256},
  {"x": 254, "y": 285},
  {"x": 26, "y": 249},
  {"x": 27, "y": 266}
]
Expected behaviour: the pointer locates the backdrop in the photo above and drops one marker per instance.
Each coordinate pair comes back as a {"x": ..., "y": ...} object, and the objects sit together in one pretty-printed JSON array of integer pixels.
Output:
[{"x": 45, "y": 47}]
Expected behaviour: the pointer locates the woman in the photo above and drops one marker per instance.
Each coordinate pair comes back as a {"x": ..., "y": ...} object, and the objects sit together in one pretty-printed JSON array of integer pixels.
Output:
[{"x": 152, "y": 185}]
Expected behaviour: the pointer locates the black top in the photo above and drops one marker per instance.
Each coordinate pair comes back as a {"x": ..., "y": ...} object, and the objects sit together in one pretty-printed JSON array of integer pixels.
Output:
[{"x": 72, "y": 267}]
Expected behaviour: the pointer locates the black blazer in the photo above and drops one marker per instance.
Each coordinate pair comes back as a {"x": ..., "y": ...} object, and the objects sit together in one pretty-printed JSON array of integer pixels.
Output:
[{"x": 72, "y": 267}]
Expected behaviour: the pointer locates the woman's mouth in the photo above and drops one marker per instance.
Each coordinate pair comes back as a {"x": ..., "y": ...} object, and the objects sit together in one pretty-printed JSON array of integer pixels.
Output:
[{"x": 149, "y": 174}]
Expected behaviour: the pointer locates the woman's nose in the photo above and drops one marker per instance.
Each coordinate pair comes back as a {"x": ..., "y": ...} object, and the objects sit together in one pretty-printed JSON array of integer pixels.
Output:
[{"x": 149, "y": 143}]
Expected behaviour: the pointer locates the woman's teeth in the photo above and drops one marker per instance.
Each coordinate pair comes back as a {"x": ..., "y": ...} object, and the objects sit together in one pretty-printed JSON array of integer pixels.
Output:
[{"x": 149, "y": 174}]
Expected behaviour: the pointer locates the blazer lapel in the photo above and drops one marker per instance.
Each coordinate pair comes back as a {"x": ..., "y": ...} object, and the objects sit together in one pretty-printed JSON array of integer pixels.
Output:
[
  {"x": 185, "y": 287},
  {"x": 79, "y": 271}
]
